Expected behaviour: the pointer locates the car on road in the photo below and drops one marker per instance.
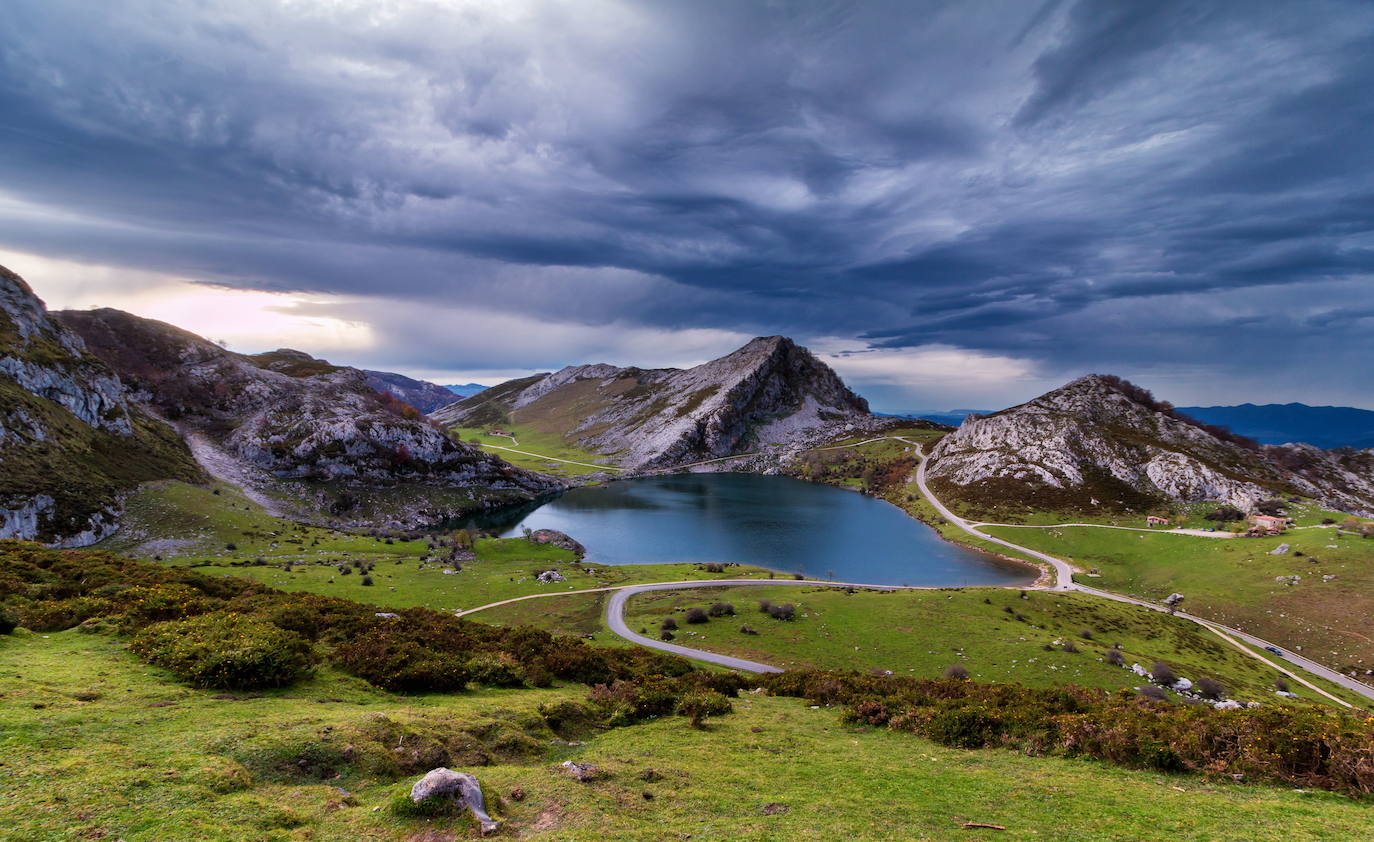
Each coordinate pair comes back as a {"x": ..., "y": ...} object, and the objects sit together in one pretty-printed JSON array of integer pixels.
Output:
[{"x": 1276, "y": 650}]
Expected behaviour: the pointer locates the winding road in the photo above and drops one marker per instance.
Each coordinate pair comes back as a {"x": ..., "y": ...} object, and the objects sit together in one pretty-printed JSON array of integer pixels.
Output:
[{"x": 1060, "y": 572}]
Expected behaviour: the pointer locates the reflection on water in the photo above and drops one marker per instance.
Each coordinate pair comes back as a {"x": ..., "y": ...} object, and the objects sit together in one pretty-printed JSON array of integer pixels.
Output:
[{"x": 770, "y": 521}]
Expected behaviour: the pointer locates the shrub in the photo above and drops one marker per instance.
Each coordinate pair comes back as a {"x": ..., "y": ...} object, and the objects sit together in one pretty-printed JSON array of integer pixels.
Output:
[
  {"x": 1225, "y": 513},
  {"x": 9, "y": 621},
  {"x": 701, "y": 703},
  {"x": 1086, "y": 634},
  {"x": 399, "y": 658},
  {"x": 697, "y": 615},
  {"x": 1114, "y": 658},
  {"x": 495, "y": 670},
  {"x": 666, "y": 635},
  {"x": 1152, "y": 692},
  {"x": 1281, "y": 684},
  {"x": 721, "y": 609},
  {"x": 764, "y": 605},
  {"x": 226, "y": 650},
  {"x": 958, "y": 672},
  {"x": 1162, "y": 673},
  {"x": 747, "y": 630},
  {"x": 367, "y": 580},
  {"x": 786, "y": 611},
  {"x": 1210, "y": 688},
  {"x": 1070, "y": 647}
]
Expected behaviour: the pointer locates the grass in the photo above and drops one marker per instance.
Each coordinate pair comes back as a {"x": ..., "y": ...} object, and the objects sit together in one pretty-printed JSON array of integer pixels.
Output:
[
  {"x": 96, "y": 745},
  {"x": 547, "y": 444},
  {"x": 921, "y": 633},
  {"x": 1233, "y": 581}
]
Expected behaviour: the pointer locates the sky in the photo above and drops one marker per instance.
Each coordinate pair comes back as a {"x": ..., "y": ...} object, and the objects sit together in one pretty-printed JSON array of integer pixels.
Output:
[{"x": 955, "y": 204}]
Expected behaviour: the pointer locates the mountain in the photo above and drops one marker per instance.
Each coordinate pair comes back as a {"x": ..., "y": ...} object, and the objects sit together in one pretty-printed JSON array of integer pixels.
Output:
[
  {"x": 72, "y": 443},
  {"x": 768, "y": 393},
  {"x": 1101, "y": 443},
  {"x": 289, "y": 416},
  {"x": 1275, "y": 423},
  {"x": 465, "y": 390},
  {"x": 421, "y": 394}
]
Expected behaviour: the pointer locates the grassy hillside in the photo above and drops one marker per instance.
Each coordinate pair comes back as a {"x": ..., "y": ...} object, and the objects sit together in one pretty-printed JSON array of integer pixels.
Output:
[
  {"x": 1234, "y": 581},
  {"x": 529, "y": 439},
  {"x": 98, "y": 745}
]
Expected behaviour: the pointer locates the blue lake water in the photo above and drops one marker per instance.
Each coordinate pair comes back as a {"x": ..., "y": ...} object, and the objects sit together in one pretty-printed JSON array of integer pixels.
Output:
[{"x": 775, "y": 522}]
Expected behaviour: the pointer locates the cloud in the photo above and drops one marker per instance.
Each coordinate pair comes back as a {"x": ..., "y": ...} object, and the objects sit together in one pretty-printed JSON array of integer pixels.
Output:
[{"x": 1003, "y": 178}]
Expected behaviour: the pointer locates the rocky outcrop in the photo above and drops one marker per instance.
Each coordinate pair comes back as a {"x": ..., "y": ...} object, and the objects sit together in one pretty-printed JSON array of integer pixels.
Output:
[
  {"x": 1099, "y": 442},
  {"x": 463, "y": 789},
  {"x": 562, "y": 540},
  {"x": 292, "y": 415},
  {"x": 421, "y": 394},
  {"x": 769, "y": 393},
  {"x": 72, "y": 443}
]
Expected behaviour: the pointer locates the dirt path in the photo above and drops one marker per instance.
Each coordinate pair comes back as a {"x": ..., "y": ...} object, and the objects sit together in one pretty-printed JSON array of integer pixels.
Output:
[{"x": 226, "y": 468}]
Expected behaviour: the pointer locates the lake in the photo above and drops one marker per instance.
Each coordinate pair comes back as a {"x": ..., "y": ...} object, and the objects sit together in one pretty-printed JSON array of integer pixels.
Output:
[{"x": 776, "y": 522}]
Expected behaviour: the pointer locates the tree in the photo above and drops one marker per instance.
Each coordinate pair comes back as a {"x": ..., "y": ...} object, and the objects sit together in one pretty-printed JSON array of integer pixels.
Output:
[{"x": 1224, "y": 514}]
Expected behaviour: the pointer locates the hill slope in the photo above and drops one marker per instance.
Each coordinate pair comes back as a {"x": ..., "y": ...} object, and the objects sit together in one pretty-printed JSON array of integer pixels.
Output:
[
  {"x": 769, "y": 392},
  {"x": 1101, "y": 443},
  {"x": 71, "y": 442},
  {"x": 421, "y": 394},
  {"x": 291, "y": 415},
  {"x": 1279, "y": 423}
]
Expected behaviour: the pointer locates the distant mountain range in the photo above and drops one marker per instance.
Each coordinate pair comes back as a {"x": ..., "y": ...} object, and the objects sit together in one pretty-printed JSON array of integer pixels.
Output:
[
  {"x": 466, "y": 390},
  {"x": 1280, "y": 423},
  {"x": 950, "y": 417},
  {"x": 421, "y": 394}
]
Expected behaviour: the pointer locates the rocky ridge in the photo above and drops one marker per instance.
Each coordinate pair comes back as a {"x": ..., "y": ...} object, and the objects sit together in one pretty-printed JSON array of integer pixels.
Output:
[
  {"x": 771, "y": 392},
  {"x": 1099, "y": 442},
  {"x": 292, "y": 415},
  {"x": 72, "y": 443}
]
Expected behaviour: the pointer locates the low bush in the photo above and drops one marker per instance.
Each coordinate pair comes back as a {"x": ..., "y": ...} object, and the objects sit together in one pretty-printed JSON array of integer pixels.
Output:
[
  {"x": 1114, "y": 658},
  {"x": 668, "y": 624},
  {"x": 697, "y": 615},
  {"x": 700, "y": 703},
  {"x": 225, "y": 650},
  {"x": 401, "y": 659},
  {"x": 786, "y": 611},
  {"x": 9, "y": 620},
  {"x": 1162, "y": 673},
  {"x": 721, "y": 609},
  {"x": 958, "y": 672},
  {"x": 1210, "y": 688}
]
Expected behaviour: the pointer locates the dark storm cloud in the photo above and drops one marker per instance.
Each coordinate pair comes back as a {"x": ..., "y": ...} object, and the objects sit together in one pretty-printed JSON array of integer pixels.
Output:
[{"x": 1025, "y": 180}]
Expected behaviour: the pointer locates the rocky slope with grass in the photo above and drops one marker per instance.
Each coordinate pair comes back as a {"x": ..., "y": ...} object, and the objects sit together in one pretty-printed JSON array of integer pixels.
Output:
[
  {"x": 293, "y": 416},
  {"x": 769, "y": 393},
  {"x": 1101, "y": 443},
  {"x": 72, "y": 443}
]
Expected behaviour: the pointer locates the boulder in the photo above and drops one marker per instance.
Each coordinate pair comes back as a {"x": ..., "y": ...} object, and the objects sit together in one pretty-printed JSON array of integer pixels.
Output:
[
  {"x": 582, "y": 772},
  {"x": 461, "y": 787},
  {"x": 549, "y": 576},
  {"x": 558, "y": 539}
]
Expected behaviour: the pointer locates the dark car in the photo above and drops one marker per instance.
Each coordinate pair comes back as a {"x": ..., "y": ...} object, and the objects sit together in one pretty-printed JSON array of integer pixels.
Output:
[{"x": 1276, "y": 650}]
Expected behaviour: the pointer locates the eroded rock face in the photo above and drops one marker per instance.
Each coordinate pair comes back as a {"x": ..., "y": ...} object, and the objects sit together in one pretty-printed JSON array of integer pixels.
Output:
[
  {"x": 290, "y": 414},
  {"x": 770, "y": 392},
  {"x": 72, "y": 442},
  {"x": 52, "y": 363},
  {"x": 1092, "y": 443}
]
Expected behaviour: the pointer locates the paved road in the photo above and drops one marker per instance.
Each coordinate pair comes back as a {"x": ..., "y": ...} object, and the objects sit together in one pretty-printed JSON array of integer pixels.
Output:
[{"x": 1198, "y": 533}]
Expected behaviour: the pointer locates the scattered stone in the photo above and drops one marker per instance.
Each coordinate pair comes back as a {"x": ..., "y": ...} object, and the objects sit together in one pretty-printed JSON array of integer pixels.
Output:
[
  {"x": 549, "y": 576},
  {"x": 583, "y": 772},
  {"x": 389, "y": 615},
  {"x": 1279, "y": 550},
  {"x": 461, "y": 787},
  {"x": 775, "y": 808},
  {"x": 517, "y": 794}
]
